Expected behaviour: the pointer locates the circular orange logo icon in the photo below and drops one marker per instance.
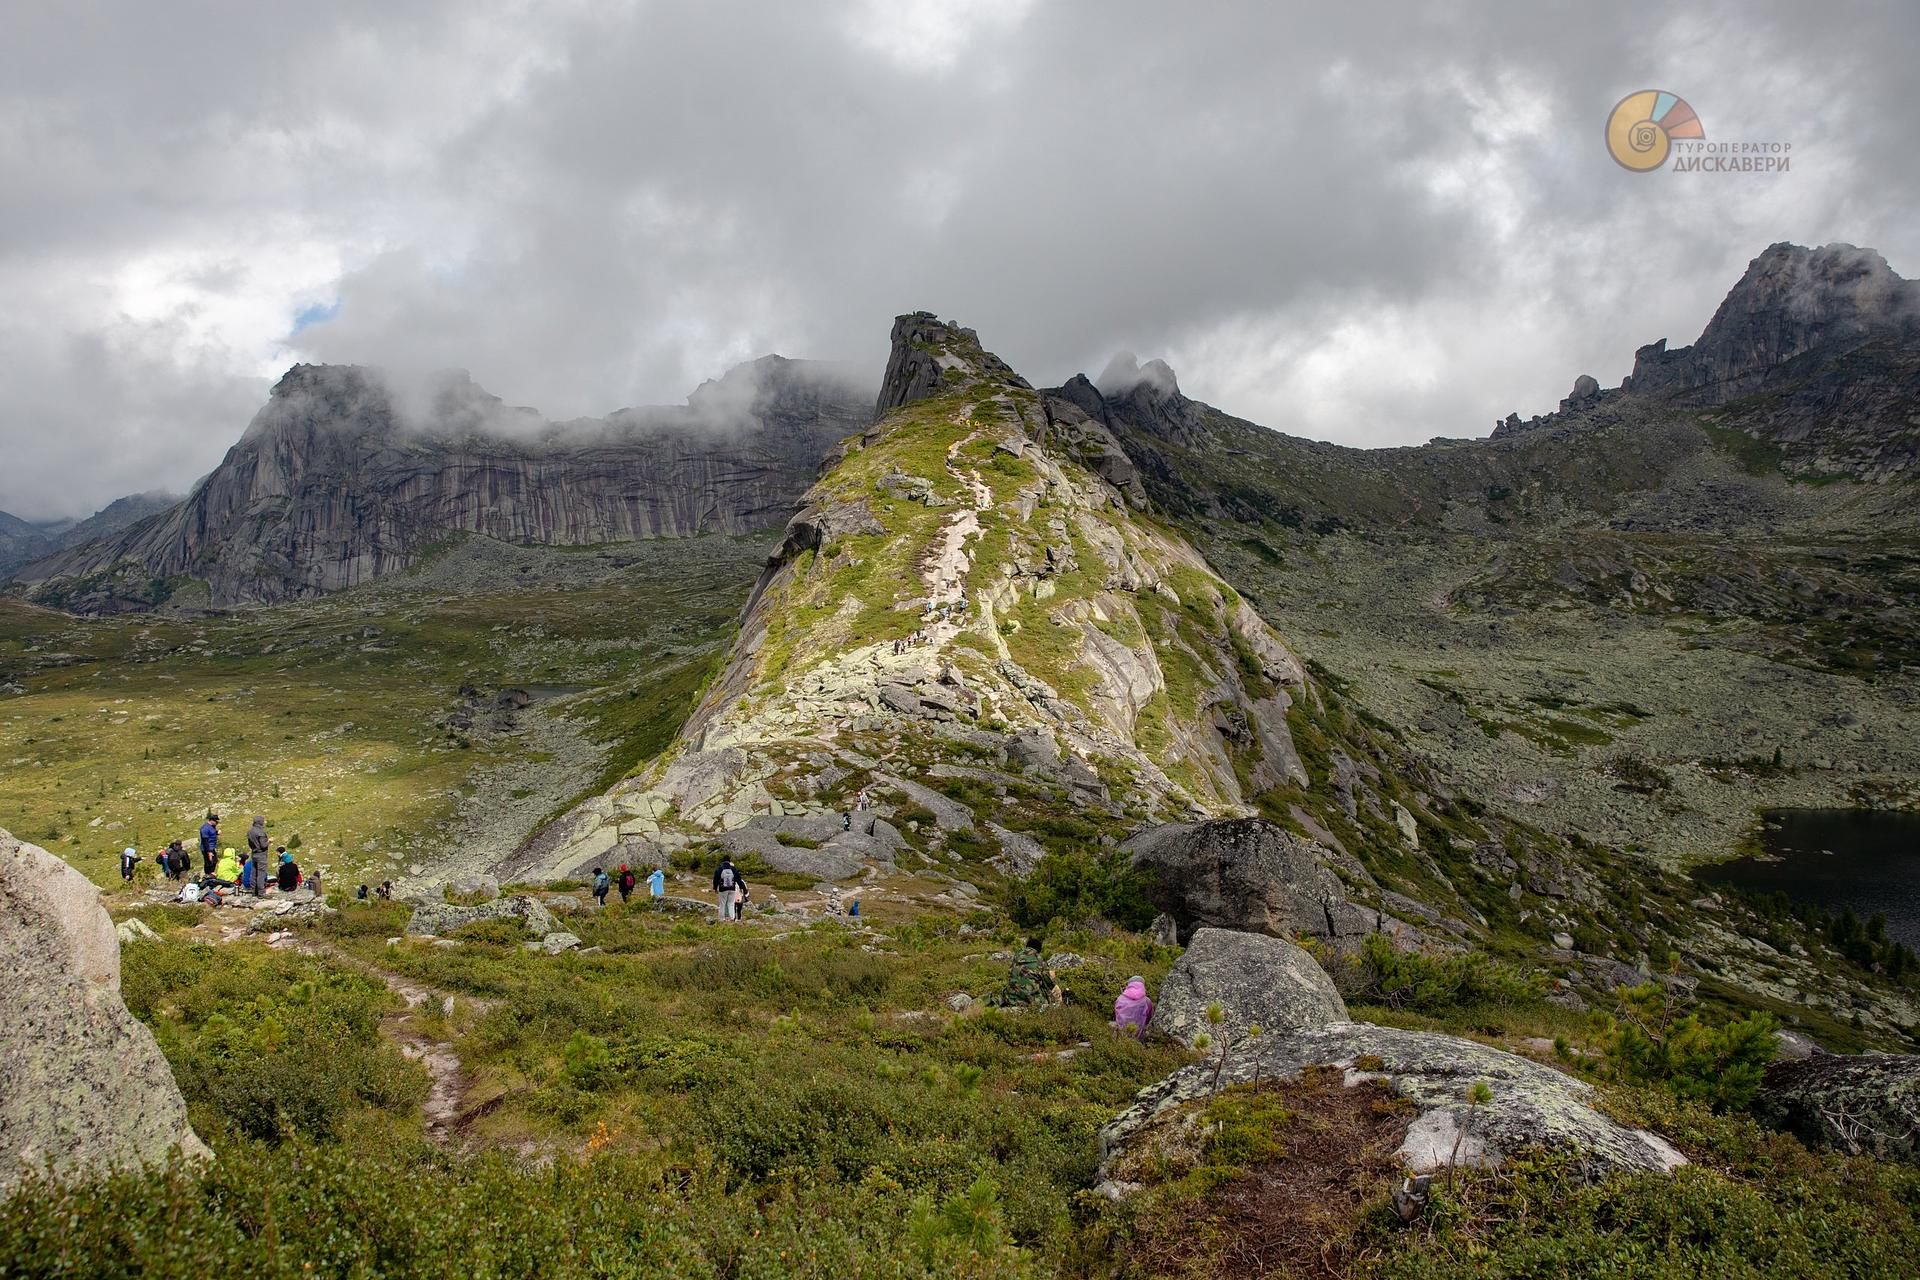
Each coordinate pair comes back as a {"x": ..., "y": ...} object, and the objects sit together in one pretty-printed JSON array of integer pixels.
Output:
[{"x": 1642, "y": 126}]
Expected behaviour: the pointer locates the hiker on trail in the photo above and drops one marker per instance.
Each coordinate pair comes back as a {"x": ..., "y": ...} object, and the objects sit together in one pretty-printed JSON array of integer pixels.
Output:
[
  {"x": 174, "y": 860},
  {"x": 1133, "y": 1008},
  {"x": 259, "y": 844},
  {"x": 846, "y": 820},
  {"x": 1030, "y": 984},
  {"x": 360, "y": 894},
  {"x": 600, "y": 886},
  {"x": 128, "y": 857},
  {"x": 210, "y": 840},
  {"x": 289, "y": 872},
  {"x": 227, "y": 869},
  {"x": 657, "y": 885},
  {"x": 726, "y": 881},
  {"x": 626, "y": 882},
  {"x": 385, "y": 891}
]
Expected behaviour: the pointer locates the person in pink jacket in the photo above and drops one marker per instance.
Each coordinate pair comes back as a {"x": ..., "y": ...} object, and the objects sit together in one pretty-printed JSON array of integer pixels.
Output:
[{"x": 1132, "y": 1008}]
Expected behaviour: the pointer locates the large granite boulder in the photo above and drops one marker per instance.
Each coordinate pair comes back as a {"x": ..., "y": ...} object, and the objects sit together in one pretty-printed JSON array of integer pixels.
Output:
[
  {"x": 444, "y": 917},
  {"x": 1864, "y": 1104},
  {"x": 1256, "y": 981},
  {"x": 825, "y": 863},
  {"x": 1532, "y": 1106},
  {"x": 1251, "y": 875},
  {"x": 86, "y": 1088}
]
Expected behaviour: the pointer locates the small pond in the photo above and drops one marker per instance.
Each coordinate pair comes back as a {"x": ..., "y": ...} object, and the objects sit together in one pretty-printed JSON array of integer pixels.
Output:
[{"x": 1866, "y": 859}]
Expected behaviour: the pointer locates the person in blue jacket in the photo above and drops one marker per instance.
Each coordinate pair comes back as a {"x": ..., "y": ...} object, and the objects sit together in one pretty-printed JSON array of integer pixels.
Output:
[{"x": 210, "y": 841}]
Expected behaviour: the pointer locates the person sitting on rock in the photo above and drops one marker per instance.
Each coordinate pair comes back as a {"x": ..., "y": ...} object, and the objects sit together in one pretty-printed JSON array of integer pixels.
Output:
[
  {"x": 227, "y": 869},
  {"x": 1133, "y": 1008},
  {"x": 289, "y": 872},
  {"x": 1030, "y": 984},
  {"x": 360, "y": 894},
  {"x": 600, "y": 886}
]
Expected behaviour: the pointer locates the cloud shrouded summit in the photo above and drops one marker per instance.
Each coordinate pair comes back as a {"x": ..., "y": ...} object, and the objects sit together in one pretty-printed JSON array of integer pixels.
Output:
[{"x": 1353, "y": 224}]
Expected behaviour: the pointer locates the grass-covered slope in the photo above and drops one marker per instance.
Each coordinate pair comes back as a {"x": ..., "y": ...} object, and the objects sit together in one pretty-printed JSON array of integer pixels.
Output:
[{"x": 370, "y": 725}]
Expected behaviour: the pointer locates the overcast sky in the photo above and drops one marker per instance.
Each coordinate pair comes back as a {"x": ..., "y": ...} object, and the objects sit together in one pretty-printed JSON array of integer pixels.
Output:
[{"x": 1365, "y": 223}]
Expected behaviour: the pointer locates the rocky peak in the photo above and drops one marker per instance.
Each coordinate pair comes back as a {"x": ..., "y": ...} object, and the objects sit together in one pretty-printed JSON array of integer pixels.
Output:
[
  {"x": 967, "y": 582},
  {"x": 1790, "y": 301},
  {"x": 1125, "y": 374},
  {"x": 929, "y": 355},
  {"x": 348, "y": 473}
]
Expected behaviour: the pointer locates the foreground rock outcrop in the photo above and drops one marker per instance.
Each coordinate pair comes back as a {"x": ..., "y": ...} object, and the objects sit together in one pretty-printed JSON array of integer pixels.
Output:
[
  {"x": 86, "y": 1089},
  {"x": 1532, "y": 1106},
  {"x": 1859, "y": 1104},
  {"x": 1256, "y": 981}
]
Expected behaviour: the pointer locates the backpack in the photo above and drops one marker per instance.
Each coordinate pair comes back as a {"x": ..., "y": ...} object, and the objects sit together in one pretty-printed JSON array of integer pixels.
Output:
[
  {"x": 726, "y": 877},
  {"x": 626, "y": 881},
  {"x": 600, "y": 883}
]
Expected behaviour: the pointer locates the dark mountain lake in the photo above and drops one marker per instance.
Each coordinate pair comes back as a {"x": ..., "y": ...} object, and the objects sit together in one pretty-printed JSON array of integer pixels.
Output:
[{"x": 1866, "y": 859}]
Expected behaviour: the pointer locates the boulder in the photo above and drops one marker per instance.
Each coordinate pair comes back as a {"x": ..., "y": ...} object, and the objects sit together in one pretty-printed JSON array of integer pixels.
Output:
[
  {"x": 86, "y": 1089},
  {"x": 485, "y": 888},
  {"x": 133, "y": 931},
  {"x": 1256, "y": 980},
  {"x": 442, "y": 917},
  {"x": 1250, "y": 875},
  {"x": 1532, "y": 1107},
  {"x": 1860, "y": 1104},
  {"x": 554, "y": 943},
  {"x": 829, "y": 862}
]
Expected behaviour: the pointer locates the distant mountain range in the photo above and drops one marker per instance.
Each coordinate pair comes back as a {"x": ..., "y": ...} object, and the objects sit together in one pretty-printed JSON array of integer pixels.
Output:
[
  {"x": 347, "y": 474},
  {"x": 1811, "y": 366},
  {"x": 23, "y": 541}
]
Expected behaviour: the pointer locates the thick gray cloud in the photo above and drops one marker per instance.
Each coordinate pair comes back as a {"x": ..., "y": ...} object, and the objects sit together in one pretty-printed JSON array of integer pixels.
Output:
[{"x": 1360, "y": 222}]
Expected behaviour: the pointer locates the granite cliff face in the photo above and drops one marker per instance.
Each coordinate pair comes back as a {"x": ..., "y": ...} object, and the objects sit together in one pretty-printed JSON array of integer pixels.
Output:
[
  {"x": 1790, "y": 301},
  {"x": 344, "y": 476}
]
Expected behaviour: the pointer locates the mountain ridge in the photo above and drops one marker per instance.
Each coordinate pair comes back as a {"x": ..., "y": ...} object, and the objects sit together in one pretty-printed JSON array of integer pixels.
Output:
[{"x": 343, "y": 477}]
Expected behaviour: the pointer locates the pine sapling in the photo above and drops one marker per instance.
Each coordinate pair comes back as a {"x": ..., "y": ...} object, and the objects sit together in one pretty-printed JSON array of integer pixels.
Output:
[{"x": 1479, "y": 1093}]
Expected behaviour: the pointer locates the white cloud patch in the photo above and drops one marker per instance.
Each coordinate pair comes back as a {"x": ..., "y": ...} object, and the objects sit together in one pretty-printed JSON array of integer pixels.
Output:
[{"x": 1363, "y": 223}]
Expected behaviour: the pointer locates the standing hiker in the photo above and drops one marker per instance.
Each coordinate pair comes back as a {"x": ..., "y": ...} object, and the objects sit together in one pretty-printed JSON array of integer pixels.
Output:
[
  {"x": 600, "y": 886},
  {"x": 210, "y": 841},
  {"x": 726, "y": 880},
  {"x": 657, "y": 885},
  {"x": 626, "y": 882},
  {"x": 128, "y": 857}
]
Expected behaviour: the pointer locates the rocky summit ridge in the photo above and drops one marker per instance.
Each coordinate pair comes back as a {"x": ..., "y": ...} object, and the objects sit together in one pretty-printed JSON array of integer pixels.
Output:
[{"x": 972, "y": 579}]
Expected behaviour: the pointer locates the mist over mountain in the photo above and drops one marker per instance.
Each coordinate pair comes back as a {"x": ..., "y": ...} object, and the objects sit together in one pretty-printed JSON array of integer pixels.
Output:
[{"x": 347, "y": 474}]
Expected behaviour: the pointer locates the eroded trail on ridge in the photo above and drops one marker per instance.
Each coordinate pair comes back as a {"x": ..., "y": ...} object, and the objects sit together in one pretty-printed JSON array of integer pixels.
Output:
[{"x": 946, "y": 575}]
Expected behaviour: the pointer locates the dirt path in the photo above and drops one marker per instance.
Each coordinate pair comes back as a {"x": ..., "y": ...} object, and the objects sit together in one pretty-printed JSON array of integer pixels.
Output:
[{"x": 446, "y": 1096}]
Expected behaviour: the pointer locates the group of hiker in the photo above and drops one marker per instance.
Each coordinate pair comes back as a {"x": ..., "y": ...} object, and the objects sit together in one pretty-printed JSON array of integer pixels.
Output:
[
  {"x": 627, "y": 882},
  {"x": 223, "y": 869},
  {"x": 1032, "y": 985}
]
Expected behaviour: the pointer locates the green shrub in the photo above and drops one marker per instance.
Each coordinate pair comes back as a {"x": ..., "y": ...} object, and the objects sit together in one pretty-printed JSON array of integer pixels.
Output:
[
  {"x": 1651, "y": 1042},
  {"x": 1467, "y": 981},
  {"x": 1083, "y": 884}
]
